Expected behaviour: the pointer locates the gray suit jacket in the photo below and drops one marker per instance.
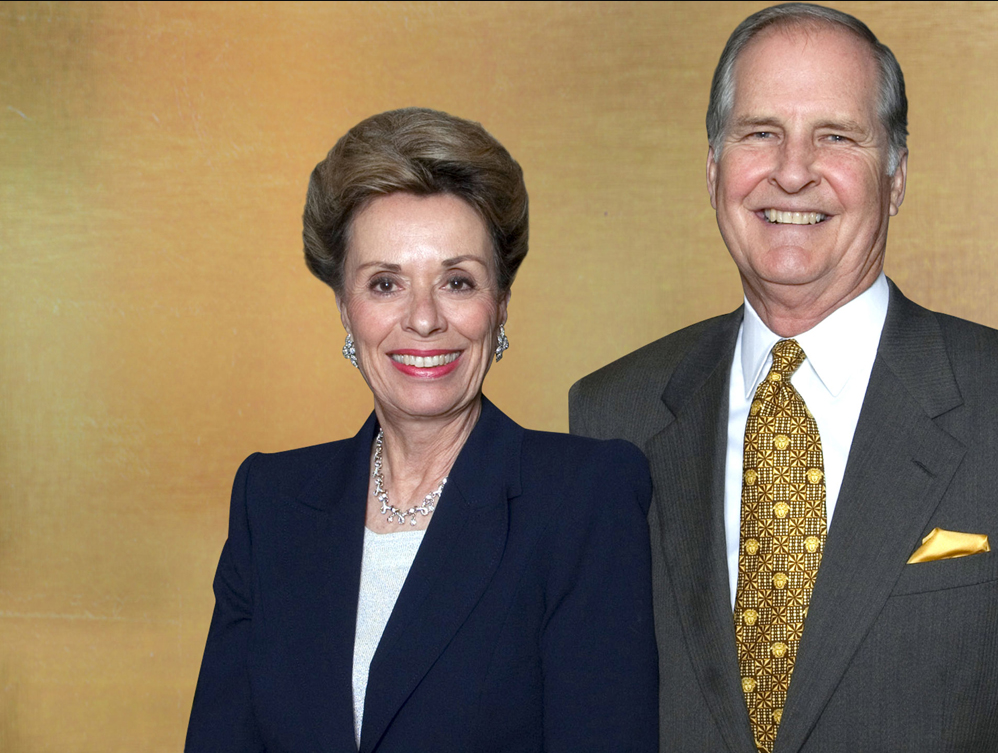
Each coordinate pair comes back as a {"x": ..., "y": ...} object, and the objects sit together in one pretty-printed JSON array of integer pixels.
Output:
[{"x": 894, "y": 657}]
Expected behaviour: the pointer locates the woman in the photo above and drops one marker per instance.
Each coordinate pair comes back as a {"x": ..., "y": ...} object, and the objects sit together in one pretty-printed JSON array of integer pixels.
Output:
[{"x": 445, "y": 580}]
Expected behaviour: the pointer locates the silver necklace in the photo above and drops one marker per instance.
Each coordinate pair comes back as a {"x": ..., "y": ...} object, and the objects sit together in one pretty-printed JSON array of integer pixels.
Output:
[{"x": 428, "y": 504}]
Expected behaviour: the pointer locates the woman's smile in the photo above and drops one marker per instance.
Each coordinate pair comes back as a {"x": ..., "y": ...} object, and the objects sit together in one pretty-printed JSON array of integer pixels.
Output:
[{"x": 426, "y": 363}]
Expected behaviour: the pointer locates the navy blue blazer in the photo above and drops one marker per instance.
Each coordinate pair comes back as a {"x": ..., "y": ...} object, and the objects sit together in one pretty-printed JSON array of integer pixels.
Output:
[{"x": 525, "y": 623}]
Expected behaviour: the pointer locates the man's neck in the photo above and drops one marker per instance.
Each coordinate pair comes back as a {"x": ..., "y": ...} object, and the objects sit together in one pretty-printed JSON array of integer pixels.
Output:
[{"x": 789, "y": 310}]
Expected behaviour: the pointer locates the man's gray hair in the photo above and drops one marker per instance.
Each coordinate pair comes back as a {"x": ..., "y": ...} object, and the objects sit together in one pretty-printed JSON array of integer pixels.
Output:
[{"x": 892, "y": 105}]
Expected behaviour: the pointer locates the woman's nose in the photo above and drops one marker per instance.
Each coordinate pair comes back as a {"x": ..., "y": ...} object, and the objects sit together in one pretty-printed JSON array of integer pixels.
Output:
[{"x": 424, "y": 316}]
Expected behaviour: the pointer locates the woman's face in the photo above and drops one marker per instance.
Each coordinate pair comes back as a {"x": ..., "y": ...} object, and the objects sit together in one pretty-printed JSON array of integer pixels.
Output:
[{"x": 421, "y": 301}]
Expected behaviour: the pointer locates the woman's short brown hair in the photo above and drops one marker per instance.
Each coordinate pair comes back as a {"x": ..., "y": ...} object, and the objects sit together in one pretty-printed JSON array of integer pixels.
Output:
[{"x": 422, "y": 152}]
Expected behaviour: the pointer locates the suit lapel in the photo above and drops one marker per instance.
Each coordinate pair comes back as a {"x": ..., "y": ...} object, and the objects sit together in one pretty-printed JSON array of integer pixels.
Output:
[
  {"x": 899, "y": 465},
  {"x": 460, "y": 552},
  {"x": 317, "y": 605},
  {"x": 687, "y": 460}
]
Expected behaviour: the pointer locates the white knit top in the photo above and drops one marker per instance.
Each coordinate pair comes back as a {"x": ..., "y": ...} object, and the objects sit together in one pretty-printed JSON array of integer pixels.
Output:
[{"x": 383, "y": 570}]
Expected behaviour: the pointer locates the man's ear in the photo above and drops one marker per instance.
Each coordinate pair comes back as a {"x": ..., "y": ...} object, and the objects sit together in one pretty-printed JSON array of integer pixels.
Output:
[
  {"x": 712, "y": 177},
  {"x": 898, "y": 181}
]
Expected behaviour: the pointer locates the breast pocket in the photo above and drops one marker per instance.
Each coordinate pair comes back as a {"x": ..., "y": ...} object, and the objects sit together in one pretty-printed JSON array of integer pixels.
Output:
[{"x": 922, "y": 577}]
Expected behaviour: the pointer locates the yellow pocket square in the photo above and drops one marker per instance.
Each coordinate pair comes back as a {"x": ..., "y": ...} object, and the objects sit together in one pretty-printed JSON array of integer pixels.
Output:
[{"x": 944, "y": 545}]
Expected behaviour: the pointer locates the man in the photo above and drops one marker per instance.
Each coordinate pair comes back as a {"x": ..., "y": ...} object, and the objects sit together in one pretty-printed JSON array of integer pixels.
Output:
[{"x": 803, "y": 446}]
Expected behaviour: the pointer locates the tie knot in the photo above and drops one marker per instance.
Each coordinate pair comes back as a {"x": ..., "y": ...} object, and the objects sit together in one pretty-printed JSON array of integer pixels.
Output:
[{"x": 787, "y": 356}]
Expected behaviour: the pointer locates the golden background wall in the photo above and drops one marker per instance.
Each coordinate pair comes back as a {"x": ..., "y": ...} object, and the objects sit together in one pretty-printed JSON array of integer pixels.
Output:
[{"x": 157, "y": 323}]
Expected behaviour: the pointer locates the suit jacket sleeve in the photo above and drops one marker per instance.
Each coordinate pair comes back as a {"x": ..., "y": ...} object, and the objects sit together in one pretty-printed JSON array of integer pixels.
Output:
[
  {"x": 222, "y": 716},
  {"x": 599, "y": 657}
]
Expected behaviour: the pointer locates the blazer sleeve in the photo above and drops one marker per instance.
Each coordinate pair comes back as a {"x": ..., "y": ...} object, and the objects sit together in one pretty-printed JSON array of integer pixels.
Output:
[
  {"x": 600, "y": 663},
  {"x": 222, "y": 717}
]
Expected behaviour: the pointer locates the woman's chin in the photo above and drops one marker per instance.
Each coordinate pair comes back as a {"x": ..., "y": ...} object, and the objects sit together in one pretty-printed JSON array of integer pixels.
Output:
[{"x": 430, "y": 406}]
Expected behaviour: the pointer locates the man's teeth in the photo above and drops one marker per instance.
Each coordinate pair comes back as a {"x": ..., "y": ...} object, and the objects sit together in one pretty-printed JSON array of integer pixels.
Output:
[
  {"x": 424, "y": 362},
  {"x": 794, "y": 218}
]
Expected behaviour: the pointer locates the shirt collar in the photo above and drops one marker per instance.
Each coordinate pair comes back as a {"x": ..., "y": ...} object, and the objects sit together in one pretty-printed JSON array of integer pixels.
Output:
[{"x": 843, "y": 343}]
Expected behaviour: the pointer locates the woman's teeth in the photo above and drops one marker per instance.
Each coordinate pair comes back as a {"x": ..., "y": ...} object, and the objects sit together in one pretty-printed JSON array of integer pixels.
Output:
[
  {"x": 794, "y": 218},
  {"x": 424, "y": 362}
]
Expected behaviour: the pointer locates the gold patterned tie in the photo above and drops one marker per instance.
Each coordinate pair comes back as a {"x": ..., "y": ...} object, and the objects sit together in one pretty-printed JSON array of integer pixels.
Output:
[{"x": 782, "y": 537}]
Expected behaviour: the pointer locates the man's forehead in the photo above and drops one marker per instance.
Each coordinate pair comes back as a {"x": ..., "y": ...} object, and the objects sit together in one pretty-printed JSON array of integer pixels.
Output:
[
  {"x": 811, "y": 62},
  {"x": 787, "y": 44}
]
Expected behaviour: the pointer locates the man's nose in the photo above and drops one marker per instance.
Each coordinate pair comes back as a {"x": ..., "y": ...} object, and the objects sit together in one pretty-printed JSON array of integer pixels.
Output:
[{"x": 795, "y": 168}]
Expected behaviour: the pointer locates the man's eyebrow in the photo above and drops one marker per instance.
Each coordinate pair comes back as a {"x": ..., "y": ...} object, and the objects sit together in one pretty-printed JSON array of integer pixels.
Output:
[
  {"x": 850, "y": 126},
  {"x": 749, "y": 121}
]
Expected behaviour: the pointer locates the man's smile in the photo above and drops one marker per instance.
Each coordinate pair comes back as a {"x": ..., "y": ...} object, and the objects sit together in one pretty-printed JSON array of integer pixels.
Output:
[{"x": 780, "y": 217}]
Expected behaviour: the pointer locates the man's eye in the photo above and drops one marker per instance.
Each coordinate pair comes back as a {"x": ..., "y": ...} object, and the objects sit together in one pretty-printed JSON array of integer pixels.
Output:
[{"x": 762, "y": 134}]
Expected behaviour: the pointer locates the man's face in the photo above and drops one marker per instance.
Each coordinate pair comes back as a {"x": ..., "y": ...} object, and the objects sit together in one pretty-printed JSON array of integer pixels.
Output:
[{"x": 804, "y": 144}]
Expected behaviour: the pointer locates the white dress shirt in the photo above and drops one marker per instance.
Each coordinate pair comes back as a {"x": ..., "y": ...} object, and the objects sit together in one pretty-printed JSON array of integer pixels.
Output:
[{"x": 832, "y": 381}]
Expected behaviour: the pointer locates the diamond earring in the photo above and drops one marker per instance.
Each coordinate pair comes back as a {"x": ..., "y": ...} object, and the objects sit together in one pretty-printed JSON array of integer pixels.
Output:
[
  {"x": 503, "y": 342},
  {"x": 349, "y": 351}
]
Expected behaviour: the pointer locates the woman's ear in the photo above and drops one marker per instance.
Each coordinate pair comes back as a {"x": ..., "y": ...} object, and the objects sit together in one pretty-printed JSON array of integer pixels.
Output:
[{"x": 344, "y": 317}]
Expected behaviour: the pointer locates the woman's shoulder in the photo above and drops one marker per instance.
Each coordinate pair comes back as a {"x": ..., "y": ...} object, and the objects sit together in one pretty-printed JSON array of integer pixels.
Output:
[
  {"x": 287, "y": 472},
  {"x": 576, "y": 450},
  {"x": 586, "y": 466}
]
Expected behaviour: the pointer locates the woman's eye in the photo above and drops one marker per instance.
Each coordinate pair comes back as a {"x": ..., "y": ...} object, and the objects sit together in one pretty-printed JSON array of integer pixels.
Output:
[
  {"x": 383, "y": 285},
  {"x": 460, "y": 283}
]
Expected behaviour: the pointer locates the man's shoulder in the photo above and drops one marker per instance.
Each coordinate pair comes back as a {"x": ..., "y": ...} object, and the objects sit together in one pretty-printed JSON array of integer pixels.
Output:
[
  {"x": 624, "y": 398},
  {"x": 963, "y": 336},
  {"x": 652, "y": 363},
  {"x": 972, "y": 350},
  {"x": 967, "y": 344}
]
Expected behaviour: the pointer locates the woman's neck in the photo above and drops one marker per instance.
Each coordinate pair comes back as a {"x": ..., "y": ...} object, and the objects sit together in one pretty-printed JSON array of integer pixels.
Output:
[{"x": 418, "y": 453}]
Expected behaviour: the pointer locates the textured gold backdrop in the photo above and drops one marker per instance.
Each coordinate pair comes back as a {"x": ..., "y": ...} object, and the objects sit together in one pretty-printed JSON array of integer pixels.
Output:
[{"x": 157, "y": 323}]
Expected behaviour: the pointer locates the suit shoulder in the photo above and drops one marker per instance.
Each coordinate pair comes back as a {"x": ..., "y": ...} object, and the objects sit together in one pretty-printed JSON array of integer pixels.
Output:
[
  {"x": 286, "y": 472},
  {"x": 568, "y": 462},
  {"x": 964, "y": 337},
  {"x": 972, "y": 350},
  {"x": 567, "y": 449},
  {"x": 624, "y": 398},
  {"x": 649, "y": 361}
]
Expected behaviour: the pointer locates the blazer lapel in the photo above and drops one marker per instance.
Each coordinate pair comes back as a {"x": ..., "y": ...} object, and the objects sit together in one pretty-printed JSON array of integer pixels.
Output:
[
  {"x": 460, "y": 552},
  {"x": 317, "y": 605},
  {"x": 687, "y": 460},
  {"x": 900, "y": 463}
]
